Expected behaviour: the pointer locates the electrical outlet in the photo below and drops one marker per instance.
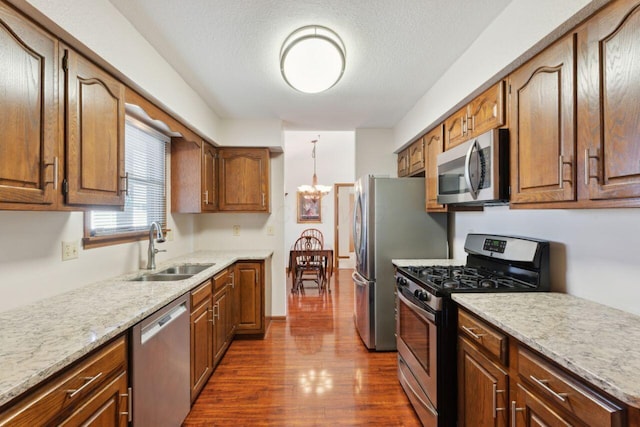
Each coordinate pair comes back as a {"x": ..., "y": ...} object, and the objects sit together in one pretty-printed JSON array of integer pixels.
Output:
[
  {"x": 169, "y": 236},
  {"x": 270, "y": 230},
  {"x": 69, "y": 250},
  {"x": 236, "y": 230}
]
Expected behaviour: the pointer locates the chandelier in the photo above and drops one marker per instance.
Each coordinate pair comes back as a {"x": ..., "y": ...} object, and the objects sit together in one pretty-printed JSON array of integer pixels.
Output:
[{"x": 314, "y": 190}]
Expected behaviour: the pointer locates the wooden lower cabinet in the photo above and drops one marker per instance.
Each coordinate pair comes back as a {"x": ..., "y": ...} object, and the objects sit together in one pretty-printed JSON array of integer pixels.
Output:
[
  {"x": 221, "y": 310},
  {"x": 201, "y": 337},
  {"x": 107, "y": 407},
  {"x": 249, "y": 278},
  {"x": 485, "y": 384},
  {"x": 91, "y": 392},
  {"x": 525, "y": 388}
]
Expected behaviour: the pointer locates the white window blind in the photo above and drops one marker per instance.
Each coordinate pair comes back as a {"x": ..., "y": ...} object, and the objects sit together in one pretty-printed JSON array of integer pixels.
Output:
[{"x": 145, "y": 163}]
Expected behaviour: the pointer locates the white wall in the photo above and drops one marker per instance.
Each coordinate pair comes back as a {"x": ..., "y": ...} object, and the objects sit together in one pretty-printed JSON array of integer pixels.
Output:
[
  {"x": 374, "y": 155},
  {"x": 31, "y": 266},
  {"x": 252, "y": 133},
  {"x": 335, "y": 163},
  {"x": 594, "y": 253},
  {"x": 521, "y": 25}
]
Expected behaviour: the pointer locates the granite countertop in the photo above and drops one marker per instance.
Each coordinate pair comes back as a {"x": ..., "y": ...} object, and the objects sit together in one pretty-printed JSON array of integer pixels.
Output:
[
  {"x": 42, "y": 338},
  {"x": 426, "y": 262},
  {"x": 598, "y": 343}
]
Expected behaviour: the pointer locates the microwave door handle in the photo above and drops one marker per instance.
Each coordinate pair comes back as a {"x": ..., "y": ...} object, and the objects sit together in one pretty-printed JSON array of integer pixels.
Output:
[{"x": 473, "y": 190}]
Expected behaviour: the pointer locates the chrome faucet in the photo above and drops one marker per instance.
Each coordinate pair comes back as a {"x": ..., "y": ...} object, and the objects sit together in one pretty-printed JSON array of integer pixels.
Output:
[{"x": 152, "y": 251}]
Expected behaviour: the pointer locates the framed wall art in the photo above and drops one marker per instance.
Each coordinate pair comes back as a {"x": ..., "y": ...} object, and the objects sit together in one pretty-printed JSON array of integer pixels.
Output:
[{"x": 309, "y": 208}]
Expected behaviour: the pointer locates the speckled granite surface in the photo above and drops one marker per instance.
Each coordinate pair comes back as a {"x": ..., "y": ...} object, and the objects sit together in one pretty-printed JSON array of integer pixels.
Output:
[
  {"x": 426, "y": 262},
  {"x": 40, "y": 339},
  {"x": 596, "y": 342}
]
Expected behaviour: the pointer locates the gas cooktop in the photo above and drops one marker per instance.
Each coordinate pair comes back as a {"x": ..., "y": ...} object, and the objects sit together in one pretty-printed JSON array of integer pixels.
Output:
[{"x": 494, "y": 264}]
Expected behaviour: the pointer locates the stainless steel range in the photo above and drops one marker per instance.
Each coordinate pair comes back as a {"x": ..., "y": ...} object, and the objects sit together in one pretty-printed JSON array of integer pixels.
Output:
[{"x": 426, "y": 324}]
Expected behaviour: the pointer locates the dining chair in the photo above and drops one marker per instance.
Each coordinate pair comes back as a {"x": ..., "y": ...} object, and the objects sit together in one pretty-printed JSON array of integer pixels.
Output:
[
  {"x": 313, "y": 232},
  {"x": 307, "y": 266}
]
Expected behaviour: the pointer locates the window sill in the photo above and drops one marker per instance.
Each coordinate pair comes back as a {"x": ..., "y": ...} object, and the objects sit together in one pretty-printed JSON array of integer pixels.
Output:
[{"x": 101, "y": 241}]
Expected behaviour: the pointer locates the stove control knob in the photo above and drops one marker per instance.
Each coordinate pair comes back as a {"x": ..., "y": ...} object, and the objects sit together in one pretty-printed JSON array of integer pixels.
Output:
[
  {"x": 421, "y": 295},
  {"x": 401, "y": 281}
]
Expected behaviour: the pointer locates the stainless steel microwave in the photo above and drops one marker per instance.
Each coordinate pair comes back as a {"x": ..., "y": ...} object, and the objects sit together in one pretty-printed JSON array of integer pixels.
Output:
[{"x": 476, "y": 171}]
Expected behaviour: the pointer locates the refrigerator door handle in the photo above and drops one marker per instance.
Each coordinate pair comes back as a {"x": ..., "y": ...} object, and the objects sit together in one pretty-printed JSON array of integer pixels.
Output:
[{"x": 357, "y": 279}]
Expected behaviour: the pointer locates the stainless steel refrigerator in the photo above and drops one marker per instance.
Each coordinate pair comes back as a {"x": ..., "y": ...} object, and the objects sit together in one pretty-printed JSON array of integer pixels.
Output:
[{"x": 390, "y": 222}]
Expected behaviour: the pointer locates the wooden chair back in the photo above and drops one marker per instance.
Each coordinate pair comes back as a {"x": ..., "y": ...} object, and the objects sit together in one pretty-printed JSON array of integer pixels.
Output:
[{"x": 313, "y": 232}]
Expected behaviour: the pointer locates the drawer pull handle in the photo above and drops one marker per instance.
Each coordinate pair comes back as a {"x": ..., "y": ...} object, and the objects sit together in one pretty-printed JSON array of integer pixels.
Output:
[
  {"x": 543, "y": 383},
  {"x": 88, "y": 381},
  {"x": 129, "y": 405},
  {"x": 495, "y": 400},
  {"x": 473, "y": 334},
  {"x": 514, "y": 409}
]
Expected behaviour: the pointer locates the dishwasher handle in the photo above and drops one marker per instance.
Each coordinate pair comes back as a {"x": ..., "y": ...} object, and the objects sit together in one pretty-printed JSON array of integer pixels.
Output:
[{"x": 158, "y": 325}]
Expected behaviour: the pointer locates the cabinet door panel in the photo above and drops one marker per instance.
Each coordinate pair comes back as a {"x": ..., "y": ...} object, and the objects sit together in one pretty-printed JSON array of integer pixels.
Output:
[
  {"x": 209, "y": 173},
  {"x": 251, "y": 295},
  {"x": 201, "y": 346},
  {"x": 244, "y": 179},
  {"x": 434, "y": 145},
  {"x": 416, "y": 157},
  {"x": 95, "y": 135},
  {"x": 455, "y": 129},
  {"x": 542, "y": 127},
  {"x": 106, "y": 408},
  {"x": 403, "y": 163},
  {"x": 483, "y": 389},
  {"x": 530, "y": 411},
  {"x": 609, "y": 93},
  {"x": 220, "y": 323},
  {"x": 28, "y": 111},
  {"x": 486, "y": 112}
]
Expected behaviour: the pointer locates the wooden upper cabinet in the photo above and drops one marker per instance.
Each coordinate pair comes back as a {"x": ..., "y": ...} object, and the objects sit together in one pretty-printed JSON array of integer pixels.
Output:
[
  {"x": 416, "y": 157},
  {"x": 95, "y": 115},
  {"x": 243, "y": 179},
  {"x": 434, "y": 144},
  {"x": 403, "y": 163},
  {"x": 28, "y": 113},
  {"x": 456, "y": 128},
  {"x": 194, "y": 176},
  {"x": 542, "y": 123},
  {"x": 484, "y": 113},
  {"x": 209, "y": 178},
  {"x": 608, "y": 94}
]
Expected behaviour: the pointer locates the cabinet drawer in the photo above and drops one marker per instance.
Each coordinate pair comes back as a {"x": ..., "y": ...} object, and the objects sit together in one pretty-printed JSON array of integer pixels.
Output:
[
  {"x": 68, "y": 389},
  {"x": 220, "y": 280},
  {"x": 485, "y": 336},
  {"x": 566, "y": 392},
  {"x": 200, "y": 294}
]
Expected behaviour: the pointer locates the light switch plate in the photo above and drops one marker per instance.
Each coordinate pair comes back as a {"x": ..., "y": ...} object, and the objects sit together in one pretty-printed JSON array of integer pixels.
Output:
[
  {"x": 270, "y": 230},
  {"x": 236, "y": 230},
  {"x": 69, "y": 250}
]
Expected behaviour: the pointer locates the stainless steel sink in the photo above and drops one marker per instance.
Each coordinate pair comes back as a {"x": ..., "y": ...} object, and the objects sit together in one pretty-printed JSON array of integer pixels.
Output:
[
  {"x": 171, "y": 274},
  {"x": 157, "y": 277},
  {"x": 186, "y": 269}
]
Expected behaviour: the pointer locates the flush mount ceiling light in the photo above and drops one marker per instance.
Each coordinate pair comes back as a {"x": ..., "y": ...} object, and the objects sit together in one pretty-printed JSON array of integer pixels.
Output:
[{"x": 312, "y": 59}]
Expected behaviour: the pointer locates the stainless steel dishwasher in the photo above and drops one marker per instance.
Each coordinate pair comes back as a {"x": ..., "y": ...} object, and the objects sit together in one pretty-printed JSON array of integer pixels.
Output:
[{"x": 160, "y": 366}]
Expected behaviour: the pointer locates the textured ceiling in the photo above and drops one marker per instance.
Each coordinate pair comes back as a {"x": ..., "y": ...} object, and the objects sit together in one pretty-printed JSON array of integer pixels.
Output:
[{"x": 228, "y": 51}]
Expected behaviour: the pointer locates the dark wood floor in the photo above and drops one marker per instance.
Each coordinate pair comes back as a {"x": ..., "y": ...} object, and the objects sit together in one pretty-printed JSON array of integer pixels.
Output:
[{"x": 310, "y": 370}]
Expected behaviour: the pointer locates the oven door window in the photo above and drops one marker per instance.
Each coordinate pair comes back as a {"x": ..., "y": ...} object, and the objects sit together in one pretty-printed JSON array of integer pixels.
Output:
[{"x": 419, "y": 335}]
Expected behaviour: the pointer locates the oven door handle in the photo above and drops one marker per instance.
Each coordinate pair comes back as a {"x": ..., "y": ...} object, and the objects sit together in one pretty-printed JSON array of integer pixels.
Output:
[{"x": 427, "y": 316}]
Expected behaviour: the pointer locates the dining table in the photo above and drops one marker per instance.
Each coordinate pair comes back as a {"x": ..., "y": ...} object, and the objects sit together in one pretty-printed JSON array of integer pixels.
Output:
[{"x": 325, "y": 254}]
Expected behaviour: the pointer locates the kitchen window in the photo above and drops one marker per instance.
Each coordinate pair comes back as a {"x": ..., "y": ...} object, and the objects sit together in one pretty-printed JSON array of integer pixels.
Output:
[{"x": 145, "y": 202}]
